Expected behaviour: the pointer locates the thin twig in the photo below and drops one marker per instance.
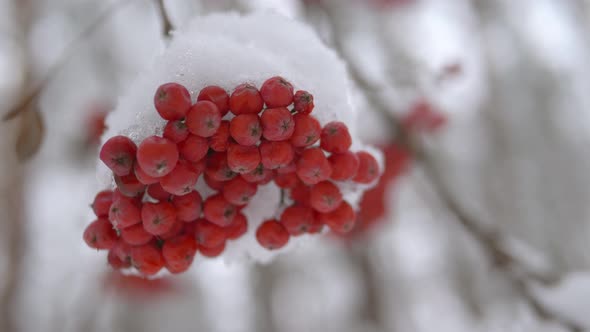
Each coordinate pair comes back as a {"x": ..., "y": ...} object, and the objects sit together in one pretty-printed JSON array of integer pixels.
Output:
[
  {"x": 166, "y": 24},
  {"x": 67, "y": 54}
]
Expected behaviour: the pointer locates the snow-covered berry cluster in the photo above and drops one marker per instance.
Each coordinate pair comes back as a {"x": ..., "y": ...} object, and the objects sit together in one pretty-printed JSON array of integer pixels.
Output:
[{"x": 157, "y": 218}]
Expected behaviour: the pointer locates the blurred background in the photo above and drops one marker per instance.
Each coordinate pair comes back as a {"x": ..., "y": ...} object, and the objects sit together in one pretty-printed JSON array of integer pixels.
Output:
[{"x": 481, "y": 221}]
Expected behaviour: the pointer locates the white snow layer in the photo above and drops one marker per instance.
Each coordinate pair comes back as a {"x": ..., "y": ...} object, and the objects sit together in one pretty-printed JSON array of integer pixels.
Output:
[{"x": 227, "y": 50}]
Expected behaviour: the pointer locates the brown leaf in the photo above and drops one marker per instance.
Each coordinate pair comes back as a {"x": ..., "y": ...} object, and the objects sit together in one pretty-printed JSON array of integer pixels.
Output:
[{"x": 30, "y": 135}]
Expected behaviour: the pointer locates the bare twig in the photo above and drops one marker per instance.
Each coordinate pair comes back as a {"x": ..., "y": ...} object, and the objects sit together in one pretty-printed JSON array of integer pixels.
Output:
[{"x": 166, "y": 24}]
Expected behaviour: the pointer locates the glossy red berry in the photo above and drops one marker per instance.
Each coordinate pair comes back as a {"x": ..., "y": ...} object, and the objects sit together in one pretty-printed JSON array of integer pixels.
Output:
[
  {"x": 245, "y": 129},
  {"x": 147, "y": 259},
  {"x": 156, "y": 192},
  {"x": 102, "y": 203},
  {"x": 276, "y": 154},
  {"x": 243, "y": 159},
  {"x": 368, "y": 170},
  {"x": 220, "y": 140},
  {"x": 142, "y": 176},
  {"x": 341, "y": 220},
  {"x": 239, "y": 191},
  {"x": 158, "y": 218},
  {"x": 216, "y": 95},
  {"x": 277, "y": 92},
  {"x": 335, "y": 137},
  {"x": 203, "y": 119},
  {"x": 344, "y": 165},
  {"x": 100, "y": 234},
  {"x": 179, "y": 252},
  {"x": 124, "y": 212},
  {"x": 325, "y": 197},
  {"x": 303, "y": 102},
  {"x": 297, "y": 219},
  {"x": 157, "y": 156},
  {"x": 188, "y": 207},
  {"x": 181, "y": 180},
  {"x": 136, "y": 235},
  {"x": 118, "y": 153},
  {"x": 313, "y": 166},
  {"x": 129, "y": 185},
  {"x": 277, "y": 124},
  {"x": 218, "y": 168},
  {"x": 272, "y": 235},
  {"x": 218, "y": 210},
  {"x": 245, "y": 99},
  {"x": 176, "y": 131},
  {"x": 172, "y": 101},
  {"x": 208, "y": 234},
  {"x": 237, "y": 228},
  {"x": 307, "y": 130}
]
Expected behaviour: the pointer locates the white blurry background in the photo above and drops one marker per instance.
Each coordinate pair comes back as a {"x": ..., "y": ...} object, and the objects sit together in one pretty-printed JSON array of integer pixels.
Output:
[{"x": 512, "y": 160}]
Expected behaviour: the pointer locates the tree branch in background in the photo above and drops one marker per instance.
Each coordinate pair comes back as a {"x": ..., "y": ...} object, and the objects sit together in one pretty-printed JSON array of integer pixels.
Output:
[{"x": 166, "y": 24}]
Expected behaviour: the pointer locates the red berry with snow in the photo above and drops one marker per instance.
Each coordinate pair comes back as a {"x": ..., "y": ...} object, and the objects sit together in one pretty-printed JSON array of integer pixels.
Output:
[
  {"x": 313, "y": 166},
  {"x": 181, "y": 180},
  {"x": 157, "y": 156},
  {"x": 307, "y": 130},
  {"x": 203, "y": 119},
  {"x": 297, "y": 219},
  {"x": 158, "y": 218},
  {"x": 276, "y": 154},
  {"x": 335, "y": 137},
  {"x": 218, "y": 210},
  {"x": 115, "y": 262},
  {"x": 216, "y": 95},
  {"x": 129, "y": 185},
  {"x": 179, "y": 252},
  {"x": 124, "y": 212},
  {"x": 188, "y": 207},
  {"x": 344, "y": 165},
  {"x": 176, "y": 131},
  {"x": 303, "y": 102},
  {"x": 277, "y": 124},
  {"x": 245, "y": 129},
  {"x": 272, "y": 235},
  {"x": 147, "y": 259},
  {"x": 194, "y": 148},
  {"x": 368, "y": 170},
  {"x": 100, "y": 234},
  {"x": 118, "y": 153},
  {"x": 341, "y": 220},
  {"x": 102, "y": 203},
  {"x": 142, "y": 176},
  {"x": 277, "y": 92},
  {"x": 325, "y": 197},
  {"x": 243, "y": 159},
  {"x": 172, "y": 101},
  {"x": 245, "y": 99}
]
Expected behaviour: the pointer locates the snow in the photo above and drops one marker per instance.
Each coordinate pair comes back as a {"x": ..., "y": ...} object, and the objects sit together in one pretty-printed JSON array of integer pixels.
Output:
[{"x": 227, "y": 50}]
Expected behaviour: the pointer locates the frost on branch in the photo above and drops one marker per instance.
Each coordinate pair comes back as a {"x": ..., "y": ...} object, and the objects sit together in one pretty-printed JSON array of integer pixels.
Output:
[{"x": 227, "y": 50}]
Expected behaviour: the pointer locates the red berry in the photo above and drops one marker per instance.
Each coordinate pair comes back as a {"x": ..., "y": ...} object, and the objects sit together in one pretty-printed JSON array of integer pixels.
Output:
[
  {"x": 158, "y": 218},
  {"x": 122, "y": 250},
  {"x": 259, "y": 174},
  {"x": 136, "y": 235},
  {"x": 291, "y": 168},
  {"x": 129, "y": 185},
  {"x": 335, "y": 137},
  {"x": 194, "y": 148},
  {"x": 325, "y": 197},
  {"x": 172, "y": 101},
  {"x": 102, "y": 203},
  {"x": 287, "y": 180},
  {"x": 218, "y": 210},
  {"x": 218, "y": 168},
  {"x": 368, "y": 168},
  {"x": 157, "y": 192},
  {"x": 216, "y": 95},
  {"x": 176, "y": 131},
  {"x": 300, "y": 194},
  {"x": 297, "y": 219},
  {"x": 307, "y": 130},
  {"x": 176, "y": 229},
  {"x": 276, "y": 154},
  {"x": 142, "y": 176},
  {"x": 213, "y": 184},
  {"x": 272, "y": 235},
  {"x": 303, "y": 102},
  {"x": 203, "y": 119},
  {"x": 181, "y": 180},
  {"x": 316, "y": 225},
  {"x": 212, "y": 252},
  {"x": 188, "y": 207},
  {"x": 237, "y": 228},
  {"x": 277, "y": 92},
  {"x": 277, "y": 124},
  {"x": 220, "y": 140},
  {"x": 341, "y": 220},
  {"x": 239, "y": 191},
  {"x": 245, "y": 100},
  {"x": 115, "y": 262},
  {"x": 118, "y": 153},
  {"x": 124, "y": 212},
  {"x": 100, "y": 234},
  {"x": 313, "y": 166},
  {"x": 344, "y": 165},
  {"x": 245, "y": 129},
  {"x": 147, "y": 259},
  {"x": 157, "y": 156},
  {"x": 208, "y": 234},
  {"x": 243, "y": 159},
  {"x": 179, "y": 252}
]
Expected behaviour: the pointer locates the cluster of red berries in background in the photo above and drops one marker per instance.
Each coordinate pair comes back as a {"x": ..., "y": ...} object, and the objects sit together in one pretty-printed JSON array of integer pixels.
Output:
[{"x": 155, "y": 218}]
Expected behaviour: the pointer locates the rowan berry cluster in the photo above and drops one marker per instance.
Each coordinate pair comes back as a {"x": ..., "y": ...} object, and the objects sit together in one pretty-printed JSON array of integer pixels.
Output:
[{"x": 155, "y": 217}]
